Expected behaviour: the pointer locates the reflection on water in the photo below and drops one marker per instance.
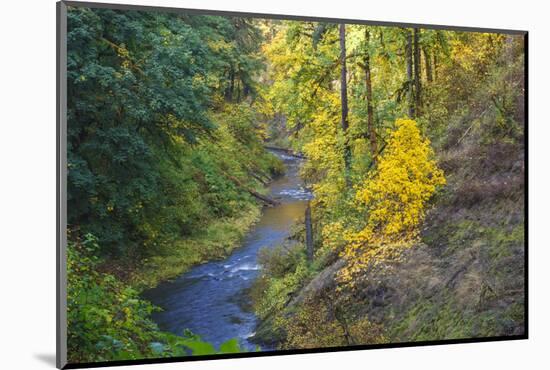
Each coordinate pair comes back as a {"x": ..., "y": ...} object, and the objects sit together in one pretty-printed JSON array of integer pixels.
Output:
[
  {"x": 282, "y": 217},
  {"x": 211, "y": 299}
]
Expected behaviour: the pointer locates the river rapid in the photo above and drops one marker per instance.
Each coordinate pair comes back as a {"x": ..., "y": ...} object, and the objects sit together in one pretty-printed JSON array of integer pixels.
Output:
[{"x": 211, "y": 299}]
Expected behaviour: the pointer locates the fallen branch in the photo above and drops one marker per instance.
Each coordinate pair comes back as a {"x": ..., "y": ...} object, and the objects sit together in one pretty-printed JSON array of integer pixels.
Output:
[
  {"x": 257, "y": 177},
  {"x": 252, "y": 192},
  {"x": 470, "y": 127},
  {"x": 287, "y": 151}
]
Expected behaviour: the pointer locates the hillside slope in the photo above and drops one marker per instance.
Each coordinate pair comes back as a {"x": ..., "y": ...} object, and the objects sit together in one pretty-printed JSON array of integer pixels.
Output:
[{"x": 463, "y": 279}]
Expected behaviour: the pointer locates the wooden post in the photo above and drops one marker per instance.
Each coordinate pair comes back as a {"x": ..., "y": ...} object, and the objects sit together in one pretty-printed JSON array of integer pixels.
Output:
[{"x": 309, "y": 234}]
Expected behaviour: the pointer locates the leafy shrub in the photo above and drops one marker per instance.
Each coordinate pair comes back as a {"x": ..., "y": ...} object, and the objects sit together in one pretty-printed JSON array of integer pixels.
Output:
[
  {"x": 108, "y": 320},
  {"x": 277, "y": 262},
  {"x": 320, "y": 323},
  {"x": 394, "y": 198},
  {"x": 278, "y": 290}
]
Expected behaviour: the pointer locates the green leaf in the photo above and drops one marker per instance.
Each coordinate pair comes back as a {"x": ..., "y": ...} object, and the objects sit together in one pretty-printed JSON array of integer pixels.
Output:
[
  {"x": 200, "y": 348},
  {"x": 230, "y": 346}
]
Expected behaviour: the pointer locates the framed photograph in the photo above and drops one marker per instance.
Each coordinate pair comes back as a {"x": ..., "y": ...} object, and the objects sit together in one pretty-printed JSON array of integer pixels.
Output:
[{"x": 237, "y": 185}]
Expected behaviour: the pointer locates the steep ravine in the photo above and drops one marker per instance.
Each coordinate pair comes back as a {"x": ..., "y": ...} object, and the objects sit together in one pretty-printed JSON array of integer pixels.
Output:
[{"x": 210, "y": 299}]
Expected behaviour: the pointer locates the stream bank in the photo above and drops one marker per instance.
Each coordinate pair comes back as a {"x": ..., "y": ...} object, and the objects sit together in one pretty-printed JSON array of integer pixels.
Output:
[{"x": 210, "y": 299}]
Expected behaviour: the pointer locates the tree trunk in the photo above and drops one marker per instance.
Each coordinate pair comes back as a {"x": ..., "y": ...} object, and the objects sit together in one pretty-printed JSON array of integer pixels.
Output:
[
  {"x": 435, "y": 66},
  {"x": 261, "y": 197},
  {"x": 409, "y": 62},
  {"x": 229, "y": 94},
  {"x": 344, "y": 99},
  {"x": 341, "y": 319},
  {"x": 262, "y": 180},
  {"x": 287, "y": 151},
  {"x": 252, "y": 192},
  {"x": 417, "y": 73},
  {"x": 370, "y": 109},
  {"x": 428, "y": 62},
  {"x": 238, "y": 91},
  {"x": 309, "y": 234}
]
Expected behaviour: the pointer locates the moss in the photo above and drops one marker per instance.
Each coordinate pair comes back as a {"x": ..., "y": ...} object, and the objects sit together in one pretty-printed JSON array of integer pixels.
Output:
[
  {"x": 286, "y": 271},
  {"x": 431, "y": 320},
  {"x": 268, "y": 333},
  {"x": 516, "y": 312},
  {"x": 502, "y": 241},
  {"x": 279, "y": 290}
]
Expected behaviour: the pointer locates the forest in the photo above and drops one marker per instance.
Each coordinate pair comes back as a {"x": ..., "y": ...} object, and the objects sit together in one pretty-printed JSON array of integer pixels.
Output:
[{"x": 376, "y": 172}]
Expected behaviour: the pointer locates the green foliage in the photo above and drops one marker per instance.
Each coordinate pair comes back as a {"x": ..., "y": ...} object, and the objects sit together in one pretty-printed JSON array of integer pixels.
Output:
[
  {"x": 280, "y": 260},
  {"x": 163, "y": 145},
  {"x": 319, "y": 323},
  {"x": 107, "y": 320},
  {"x": 429, "y": 320},
  {"x": 285, "y": 274},
  {"x": 144, "y": 158}
]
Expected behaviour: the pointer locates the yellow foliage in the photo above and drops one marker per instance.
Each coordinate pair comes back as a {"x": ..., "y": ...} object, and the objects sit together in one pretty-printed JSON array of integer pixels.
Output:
[
  {"x": 394, "y": 198},
  {"x": 312, "y": 105},
  {"x": 332, "y": 234},
  {"x": 471, "y": 51},
  {"x": 325, "y": 159},
  {"x": 317, "y": 324}
]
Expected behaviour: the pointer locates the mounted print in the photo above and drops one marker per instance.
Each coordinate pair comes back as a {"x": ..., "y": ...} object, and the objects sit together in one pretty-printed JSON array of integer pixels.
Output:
[{"x": 234, "y": 185}]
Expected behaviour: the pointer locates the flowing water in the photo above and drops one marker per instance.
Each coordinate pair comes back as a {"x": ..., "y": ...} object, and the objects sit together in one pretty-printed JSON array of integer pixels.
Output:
[{"x": 211, "y": 299}]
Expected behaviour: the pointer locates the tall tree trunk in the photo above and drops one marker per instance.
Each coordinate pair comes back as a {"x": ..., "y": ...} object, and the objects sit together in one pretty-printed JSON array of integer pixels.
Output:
[
  {"x": 238, "y": 100},
  {"x": 409, "y": 62},
  {"x": 417, "y": 73},
  {"x": 231, "y": 88},
  {"x": 344, "y": 100},
  {"x": 428, "y": 62},
  {"x": 254, "y": 193},
  {"x": 370, "y": 109},
  {"x": 435, "y": 65}
]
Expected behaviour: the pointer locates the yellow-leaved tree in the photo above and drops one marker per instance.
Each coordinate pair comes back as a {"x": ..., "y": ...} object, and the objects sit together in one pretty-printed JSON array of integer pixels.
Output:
[{"x": 394, "y": 198}]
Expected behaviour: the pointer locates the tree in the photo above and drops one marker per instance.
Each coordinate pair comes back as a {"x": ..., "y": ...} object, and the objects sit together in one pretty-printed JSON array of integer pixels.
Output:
[
  {"x": 428, "y": 63},
  {"x": 409, "y": 64},
  {"x": 344, "y": 102},
  {"x": 393, "y": 199},
  {"x": 417, "y": 73},
  {"x": 119, "y": 120},
  {"x": 141, "y": 90},
  {"x": 370, "y": 110}
]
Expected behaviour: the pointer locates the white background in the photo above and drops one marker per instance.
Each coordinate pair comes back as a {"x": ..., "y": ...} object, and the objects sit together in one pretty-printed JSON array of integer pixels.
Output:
[{"x": 27, "y": 193}]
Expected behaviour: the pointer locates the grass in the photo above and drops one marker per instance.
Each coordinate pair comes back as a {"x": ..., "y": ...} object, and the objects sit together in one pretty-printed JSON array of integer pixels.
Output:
[
  {"x": 445, "y": 318},
  {"x": 216, "y": 241},
  {"x": 483, "y": 242}
]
